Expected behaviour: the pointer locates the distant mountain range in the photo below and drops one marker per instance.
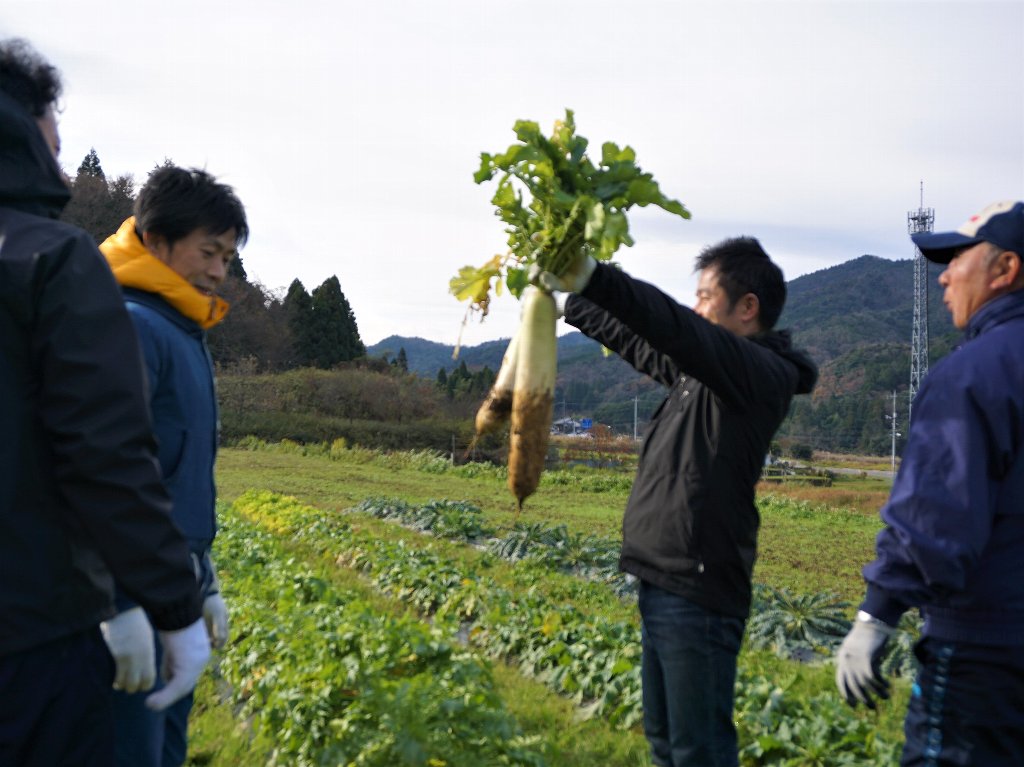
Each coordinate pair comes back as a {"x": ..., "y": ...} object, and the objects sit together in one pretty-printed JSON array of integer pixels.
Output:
[
  {"x": 854, "y": 319},
  {"x": 868, "y": 300}
]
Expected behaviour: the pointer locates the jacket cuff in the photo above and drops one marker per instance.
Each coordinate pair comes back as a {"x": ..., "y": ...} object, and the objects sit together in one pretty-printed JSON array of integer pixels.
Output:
[
  {"x": 123, "y": 602},
  {"x": 880, "y": 604},
  {"x": 595, "y": 286},
  {"x": 178, "y": 615}
]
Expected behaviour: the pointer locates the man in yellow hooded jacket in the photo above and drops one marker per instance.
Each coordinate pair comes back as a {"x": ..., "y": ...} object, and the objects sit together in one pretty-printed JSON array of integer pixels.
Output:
[{"x": 169, "y": 259}]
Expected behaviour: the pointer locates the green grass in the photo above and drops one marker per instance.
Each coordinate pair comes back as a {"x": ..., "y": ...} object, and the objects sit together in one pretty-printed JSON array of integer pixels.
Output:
[
  {"x": 804, "y": 547},
  {"x": 810, "y": 548}
]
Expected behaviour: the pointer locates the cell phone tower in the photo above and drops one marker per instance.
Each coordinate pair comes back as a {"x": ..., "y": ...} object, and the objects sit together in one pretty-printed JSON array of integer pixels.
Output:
[{"x": 920, "y": 220}]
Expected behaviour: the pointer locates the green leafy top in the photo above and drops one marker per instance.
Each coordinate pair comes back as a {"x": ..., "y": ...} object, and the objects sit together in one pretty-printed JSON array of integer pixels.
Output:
[{"x": 572, "y": 204}]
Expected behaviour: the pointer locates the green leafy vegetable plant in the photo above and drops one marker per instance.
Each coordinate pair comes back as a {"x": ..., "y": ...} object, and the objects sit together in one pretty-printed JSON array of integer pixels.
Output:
[{"x": 556, "y": 201}]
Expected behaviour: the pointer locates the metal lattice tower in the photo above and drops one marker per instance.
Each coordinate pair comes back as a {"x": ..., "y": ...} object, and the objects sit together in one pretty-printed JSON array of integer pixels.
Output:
[{"x": 920, "y": 220}]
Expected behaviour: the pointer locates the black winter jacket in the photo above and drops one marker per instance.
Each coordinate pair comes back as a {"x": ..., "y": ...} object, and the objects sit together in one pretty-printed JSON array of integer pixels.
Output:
[
  {"x": 690, "y": 524},
  {"x": 81, "y": 496}
]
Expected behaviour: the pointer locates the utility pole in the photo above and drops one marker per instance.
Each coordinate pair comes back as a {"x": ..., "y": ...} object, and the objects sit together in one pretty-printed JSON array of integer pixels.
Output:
[
  {"x": 920, "y": 220},
  {"x": 635, "y": 400},
  {"x": 895, "y": 434}
]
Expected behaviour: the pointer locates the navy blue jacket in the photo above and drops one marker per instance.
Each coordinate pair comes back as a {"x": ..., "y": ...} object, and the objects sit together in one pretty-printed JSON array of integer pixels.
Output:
[
  {"x": 954, "y": 540},
  {"x": 183, "y": 403}
]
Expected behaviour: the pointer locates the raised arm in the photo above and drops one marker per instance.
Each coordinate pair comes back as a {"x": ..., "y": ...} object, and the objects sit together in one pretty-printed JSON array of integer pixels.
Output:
[
  {"x": 598, "y": 324},
  {"x": 734, "y": 368}
]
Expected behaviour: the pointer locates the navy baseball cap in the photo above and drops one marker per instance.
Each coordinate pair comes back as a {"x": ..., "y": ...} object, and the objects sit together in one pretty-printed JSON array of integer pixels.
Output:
[{"x": 1001, "y": 223}]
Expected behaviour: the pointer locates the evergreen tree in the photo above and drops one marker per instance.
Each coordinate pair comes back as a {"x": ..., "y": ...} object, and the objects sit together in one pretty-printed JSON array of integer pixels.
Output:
[
  {"x": 353, "y": 343},
  {"x": 236, "y": 270},
  {"x": 333, "y": 327},
  {"x": 335, "y": 336},
  {"x": 327, "y": 324},
  {"x": 298, "y": 312},
  {"x": 402, "y": 361},
  {"x": 98, "y": 205},
  {"x": 91, "y": 166}
]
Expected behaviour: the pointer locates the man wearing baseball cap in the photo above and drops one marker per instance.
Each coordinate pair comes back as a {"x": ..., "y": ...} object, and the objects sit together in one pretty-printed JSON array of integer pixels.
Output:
[{"x": 953, "y": 544}]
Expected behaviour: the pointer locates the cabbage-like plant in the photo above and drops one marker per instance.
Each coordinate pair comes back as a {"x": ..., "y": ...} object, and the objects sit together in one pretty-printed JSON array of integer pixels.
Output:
[{"x": 797, "y": 625}]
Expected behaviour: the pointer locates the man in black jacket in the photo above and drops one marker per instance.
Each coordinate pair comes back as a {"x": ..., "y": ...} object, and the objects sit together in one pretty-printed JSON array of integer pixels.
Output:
[
  {"x": 81, "y": 497},
  {"x": 689, "y": 532}
]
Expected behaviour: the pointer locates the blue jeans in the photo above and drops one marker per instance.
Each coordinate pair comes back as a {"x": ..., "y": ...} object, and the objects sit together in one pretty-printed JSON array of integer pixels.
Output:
[
  {"x": 966, "y": 708},
  {"x": 689, "y": 680},
  {"x": 55, "y": 704}
]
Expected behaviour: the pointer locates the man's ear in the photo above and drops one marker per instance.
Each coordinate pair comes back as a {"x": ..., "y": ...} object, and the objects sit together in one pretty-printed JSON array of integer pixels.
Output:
[
  {"x": 750, "y": 308},
  {"x": 155, "y": 244},
  {"x": 1008, "y": 271}
]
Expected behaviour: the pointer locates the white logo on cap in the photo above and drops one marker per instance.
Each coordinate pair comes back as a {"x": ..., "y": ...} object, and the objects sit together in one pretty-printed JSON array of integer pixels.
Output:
[{"x": 974, "y": 223}]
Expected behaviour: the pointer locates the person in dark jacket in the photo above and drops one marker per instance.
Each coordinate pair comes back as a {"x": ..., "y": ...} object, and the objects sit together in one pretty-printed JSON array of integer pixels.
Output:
[
  {"x": 81, "y": 497},
  {"x": 953, "y": 544},
  {"x": 689, "y": 532},
  {"x": 169, "y": 259}
]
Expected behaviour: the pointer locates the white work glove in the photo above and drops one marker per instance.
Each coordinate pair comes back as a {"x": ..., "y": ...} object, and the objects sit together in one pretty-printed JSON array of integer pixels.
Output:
[
  {"x": 215, "y": 613},
  {"x": 858, "y": 676},
  {"x": 560, "y": 299},
  {"x": 129, "y": 638},
  {"x": 573, "y": 281},
  {"x": 186, "y": 653}
]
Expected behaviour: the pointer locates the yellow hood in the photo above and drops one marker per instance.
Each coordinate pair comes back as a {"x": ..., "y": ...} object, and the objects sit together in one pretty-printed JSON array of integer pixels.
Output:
[{"x": 136, "y": 267}]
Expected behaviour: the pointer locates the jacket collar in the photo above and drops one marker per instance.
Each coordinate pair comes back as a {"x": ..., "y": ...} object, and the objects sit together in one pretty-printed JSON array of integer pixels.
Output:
[
  {"x": 157, "y": 303},
  {"x": 995, "y": 312},
  {"x": 135, "y": 267}
]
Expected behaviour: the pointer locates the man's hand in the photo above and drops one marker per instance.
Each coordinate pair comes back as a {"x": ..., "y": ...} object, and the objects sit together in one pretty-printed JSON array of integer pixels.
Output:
[
  {"x": 186, "y": 653},
  {"x": 215, "y": 613},
  {"x": 573, "y": 281},
  {"x": 857, "y": 663},
  {"x": 129, "y": 638}
]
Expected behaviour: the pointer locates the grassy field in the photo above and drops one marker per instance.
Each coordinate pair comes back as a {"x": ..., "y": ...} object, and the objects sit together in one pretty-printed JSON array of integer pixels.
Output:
[{"x": 812, "y": 539}]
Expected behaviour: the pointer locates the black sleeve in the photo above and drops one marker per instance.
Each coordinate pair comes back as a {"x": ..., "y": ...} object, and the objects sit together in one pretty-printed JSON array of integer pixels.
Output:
[
  {"x": 731, "y": 366},
  {"x": 93, "y": 406},
  {"x": 596, "y": 323}
]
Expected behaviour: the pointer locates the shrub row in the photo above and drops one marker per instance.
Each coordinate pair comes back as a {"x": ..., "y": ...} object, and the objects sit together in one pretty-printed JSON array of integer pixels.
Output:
[{"x": 434, "y": 434}]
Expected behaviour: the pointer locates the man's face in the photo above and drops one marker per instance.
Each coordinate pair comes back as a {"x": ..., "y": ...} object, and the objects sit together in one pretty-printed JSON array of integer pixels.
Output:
[
  {"x": 200, "y": 257},
  {"x": 968, "y": 282},
  {"x": 713, "y": 303},
  {"x": 48, "y": 127}
]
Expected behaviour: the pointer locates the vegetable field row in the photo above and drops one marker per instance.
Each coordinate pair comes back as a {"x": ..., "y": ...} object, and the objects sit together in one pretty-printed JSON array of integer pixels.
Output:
[
  {"x": 593, "y": 660},
  {"x": 334, "y": 683}
]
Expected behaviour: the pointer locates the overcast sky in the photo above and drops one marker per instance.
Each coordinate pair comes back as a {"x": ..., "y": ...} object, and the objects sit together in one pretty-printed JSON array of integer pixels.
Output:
[{"x": 351, "y": 130}]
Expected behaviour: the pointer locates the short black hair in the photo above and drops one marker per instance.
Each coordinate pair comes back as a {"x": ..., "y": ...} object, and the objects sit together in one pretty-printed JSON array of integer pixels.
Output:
[
  {"x": 743, "y": 267},
  {"x": 26, "y": 77},
  {"x": 174, "y": 202}
]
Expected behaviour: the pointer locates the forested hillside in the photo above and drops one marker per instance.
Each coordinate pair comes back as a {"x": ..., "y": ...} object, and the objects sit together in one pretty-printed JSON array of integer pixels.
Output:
[
  {"x": 854, "y": 319},
  {"x": 868, "y": 300}
]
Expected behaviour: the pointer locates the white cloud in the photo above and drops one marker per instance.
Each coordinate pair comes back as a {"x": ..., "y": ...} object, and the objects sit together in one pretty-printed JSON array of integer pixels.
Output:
[{"x": 351, "y": 130}]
